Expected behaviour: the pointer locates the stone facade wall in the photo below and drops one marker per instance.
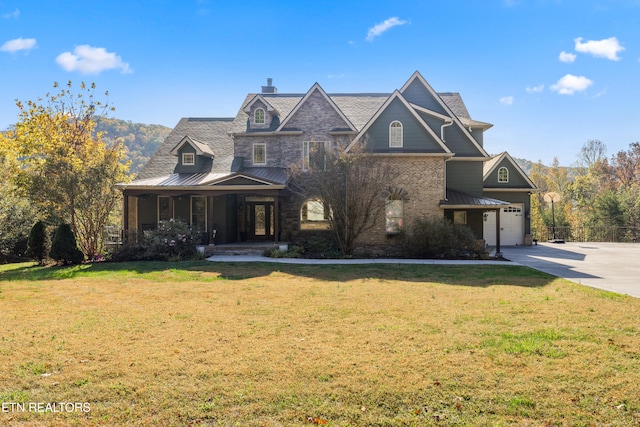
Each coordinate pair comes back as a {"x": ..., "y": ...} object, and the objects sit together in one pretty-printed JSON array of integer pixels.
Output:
[{"x": 316, "y": 118}]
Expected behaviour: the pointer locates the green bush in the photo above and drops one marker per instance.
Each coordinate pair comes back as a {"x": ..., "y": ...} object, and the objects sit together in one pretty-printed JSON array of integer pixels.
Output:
[
  {"x": 292, "y": 251},
  {"x": 64, "y": 248},
  {"x": 172, "y": 240},
  {"x": 320, "y": 245},
  {"x": 434, "y": 238},
  {"x": 38, "y": 242}
]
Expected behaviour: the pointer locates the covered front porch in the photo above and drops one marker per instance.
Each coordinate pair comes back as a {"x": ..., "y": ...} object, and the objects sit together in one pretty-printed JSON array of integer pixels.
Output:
[
  {"x": 243, "y": 206},
  {"x": 219, "y": 218}
]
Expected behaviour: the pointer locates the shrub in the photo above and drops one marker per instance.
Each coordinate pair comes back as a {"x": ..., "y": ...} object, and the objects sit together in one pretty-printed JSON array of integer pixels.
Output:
[
  {"x": 292, "y": 251},
  {"x": 171, "y": 241},
  {"x": 38, "y": 242},
  {"x": 64, "y": 248},
  {"x": 439, "y": 238},
  {"x": 320, "y": 245}
]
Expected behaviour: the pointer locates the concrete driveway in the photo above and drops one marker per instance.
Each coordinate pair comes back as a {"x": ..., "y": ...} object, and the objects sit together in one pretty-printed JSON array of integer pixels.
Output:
[{"x": 610, "y": 266}]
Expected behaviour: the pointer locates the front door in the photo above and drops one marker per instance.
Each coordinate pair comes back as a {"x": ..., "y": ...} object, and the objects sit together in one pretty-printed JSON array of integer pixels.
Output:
[{"x": 260, "y": 220}]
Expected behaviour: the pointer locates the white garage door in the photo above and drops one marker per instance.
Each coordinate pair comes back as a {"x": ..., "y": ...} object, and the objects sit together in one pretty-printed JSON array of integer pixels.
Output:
[{"x": 511, "y": 226}]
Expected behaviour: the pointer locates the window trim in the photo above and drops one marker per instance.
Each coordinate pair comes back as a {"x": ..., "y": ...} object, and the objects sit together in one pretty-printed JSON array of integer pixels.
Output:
[
  {"x": 396, "y": 134},
  {"x": 264, "y": 148},
  {"x": 306, "y": 224},
  {"x": 191, "y": 210},
  {"x": 503, "y": 175},
  {"x": 169, "y": 206},
  {"x": 460, "y": 217},
  {"x": 393, "y": 224},
  {"x": 255, "y": 116},
  {"x": 184, "y": 159}
]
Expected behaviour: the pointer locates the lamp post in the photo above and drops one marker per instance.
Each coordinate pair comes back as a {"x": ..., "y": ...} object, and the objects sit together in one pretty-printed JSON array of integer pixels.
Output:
[{"x": 553, "y": 197}]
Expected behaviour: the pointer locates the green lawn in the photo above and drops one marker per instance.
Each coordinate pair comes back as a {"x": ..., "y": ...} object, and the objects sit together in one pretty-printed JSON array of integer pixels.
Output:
[{"x": 208, "y": 344}]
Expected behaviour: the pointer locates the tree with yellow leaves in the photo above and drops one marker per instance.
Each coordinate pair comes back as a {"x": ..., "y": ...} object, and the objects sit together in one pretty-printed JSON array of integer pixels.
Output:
[{"x": 62, "y": 164}]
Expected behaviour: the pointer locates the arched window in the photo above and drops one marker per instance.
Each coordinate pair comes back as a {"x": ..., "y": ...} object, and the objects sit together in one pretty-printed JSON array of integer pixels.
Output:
[
  {"x": 394, "y": 214},
  {"x": 503, "y": 174},
  {"x": 314, "y": 215},
  {"x": 258, "y": 116},
  {"x": 395, "y": 134}
]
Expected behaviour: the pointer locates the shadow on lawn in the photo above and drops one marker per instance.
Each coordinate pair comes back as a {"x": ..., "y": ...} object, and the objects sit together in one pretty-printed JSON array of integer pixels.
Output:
[{"x": 462, "y": 275}]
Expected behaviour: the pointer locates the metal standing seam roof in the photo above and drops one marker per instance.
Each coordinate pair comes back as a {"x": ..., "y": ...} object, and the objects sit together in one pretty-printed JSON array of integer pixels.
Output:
[{"x": 456, "y": 198}]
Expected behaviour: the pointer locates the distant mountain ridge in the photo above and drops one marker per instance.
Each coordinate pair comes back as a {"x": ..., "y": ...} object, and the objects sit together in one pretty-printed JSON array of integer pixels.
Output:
[{"x": 140, "y": 140}]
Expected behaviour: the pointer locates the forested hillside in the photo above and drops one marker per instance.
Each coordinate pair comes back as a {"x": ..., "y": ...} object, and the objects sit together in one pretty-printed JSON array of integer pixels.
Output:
[{"x": 140, "y": 140}]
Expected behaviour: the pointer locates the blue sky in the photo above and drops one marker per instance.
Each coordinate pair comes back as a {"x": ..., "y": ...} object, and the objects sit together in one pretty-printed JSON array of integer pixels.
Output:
[{"x": 549, "y": 74}]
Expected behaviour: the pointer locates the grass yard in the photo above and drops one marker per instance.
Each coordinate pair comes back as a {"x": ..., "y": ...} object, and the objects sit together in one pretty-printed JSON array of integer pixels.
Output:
[{"x": 208, "y": 344}]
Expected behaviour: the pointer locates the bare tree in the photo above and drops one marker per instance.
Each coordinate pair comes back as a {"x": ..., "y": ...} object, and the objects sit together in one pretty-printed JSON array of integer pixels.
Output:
[{"x": 352, "y": 186}]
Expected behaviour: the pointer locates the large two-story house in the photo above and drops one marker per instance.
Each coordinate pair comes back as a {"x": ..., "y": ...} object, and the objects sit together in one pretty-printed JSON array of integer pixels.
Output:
[{"x": 232, "y": 175}]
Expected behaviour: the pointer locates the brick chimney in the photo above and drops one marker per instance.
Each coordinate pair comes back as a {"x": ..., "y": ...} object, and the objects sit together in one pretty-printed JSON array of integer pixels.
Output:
[{"x": 269, "y": 88}]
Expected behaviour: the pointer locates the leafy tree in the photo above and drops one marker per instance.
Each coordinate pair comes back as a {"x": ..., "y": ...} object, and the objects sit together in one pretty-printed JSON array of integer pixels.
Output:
[
  {"x": 64, "y": 248},
  {"x": 63, "y": 166},
  {"x": 16, "y": 216},
  {"x": 351, "y": 185},
  {"x": 37, "y": 245}
]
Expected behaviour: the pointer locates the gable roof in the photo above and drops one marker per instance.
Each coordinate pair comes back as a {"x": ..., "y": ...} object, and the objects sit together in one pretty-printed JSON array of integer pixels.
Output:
[
  {"x": 491, "y": 165},
  {"x": 397, "y": 95},
  {"x": 201, "y": 148},
  {"x": 455, "y": 100},
  {"x": 316, "y": 88},
  {"x": 256, "y": 98}
]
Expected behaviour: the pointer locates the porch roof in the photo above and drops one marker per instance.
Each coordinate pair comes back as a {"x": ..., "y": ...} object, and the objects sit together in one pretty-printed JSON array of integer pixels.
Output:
[{"x": 458, "y": 200}]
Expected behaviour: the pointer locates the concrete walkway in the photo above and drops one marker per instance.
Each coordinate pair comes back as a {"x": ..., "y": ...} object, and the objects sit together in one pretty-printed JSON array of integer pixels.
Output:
[{"x": 610, "y": 266}]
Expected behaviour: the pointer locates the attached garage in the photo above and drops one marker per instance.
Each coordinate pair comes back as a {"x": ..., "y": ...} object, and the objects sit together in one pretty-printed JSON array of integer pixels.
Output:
[{"x": 511, "y": 226}]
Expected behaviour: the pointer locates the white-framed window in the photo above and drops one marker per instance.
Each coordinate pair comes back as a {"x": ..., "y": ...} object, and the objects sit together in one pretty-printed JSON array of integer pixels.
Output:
[
  {"x": 258, "y": 116},
  {"x": 394, "y": 213},
  {"x": 314, "y": 215},
  {"x": 188, "y": 159},
  {"x": 459, "y": 217},
  {"x": 395, "y": 134},
  {"x": 199, "y": 213},
  {"x": 503, "y": 174},
  {"x": 259, "y": 154},
  {"x": 164, "y": 209}
]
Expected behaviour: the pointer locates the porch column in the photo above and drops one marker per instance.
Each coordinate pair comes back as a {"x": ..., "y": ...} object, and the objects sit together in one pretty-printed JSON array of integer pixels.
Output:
[
  {"x": 276, "y": 219},
  {"x": 125, "y": 218},
  {"x": 171, "y": 212},
  {"x": 498, "y": 250}
]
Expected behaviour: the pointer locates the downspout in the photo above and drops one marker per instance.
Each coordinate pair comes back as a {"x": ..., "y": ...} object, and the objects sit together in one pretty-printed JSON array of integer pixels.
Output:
[{"x": 444, "y": 125}]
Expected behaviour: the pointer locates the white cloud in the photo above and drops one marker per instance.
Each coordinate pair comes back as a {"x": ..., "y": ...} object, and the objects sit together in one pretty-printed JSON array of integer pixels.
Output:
[
  {"x": 15, "y": 45},
  {"x": 570, "y": 84},
  {"x": 567, "y": 57},
  {"x": 605, "y": 48},
  {"x": 13, "y": 14},
  {"x": 535, "y": 89},
  {"x": 506, "y": 100},
  {"x": 91, "y": 60},
  {"x": 380, "y": 28}
]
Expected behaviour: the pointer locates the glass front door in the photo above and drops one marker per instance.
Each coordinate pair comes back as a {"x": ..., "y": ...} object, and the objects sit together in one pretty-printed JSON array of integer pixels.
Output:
[{"x": 261, "y": 221}]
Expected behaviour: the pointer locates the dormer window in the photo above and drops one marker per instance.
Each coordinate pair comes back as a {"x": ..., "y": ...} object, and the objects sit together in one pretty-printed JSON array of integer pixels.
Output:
[
  {"x": 258, "y": 116},
  {"x": 503, "y": 174},
  {"x": 395, "y": 134},
  {"x": 188, "y": 159}
]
